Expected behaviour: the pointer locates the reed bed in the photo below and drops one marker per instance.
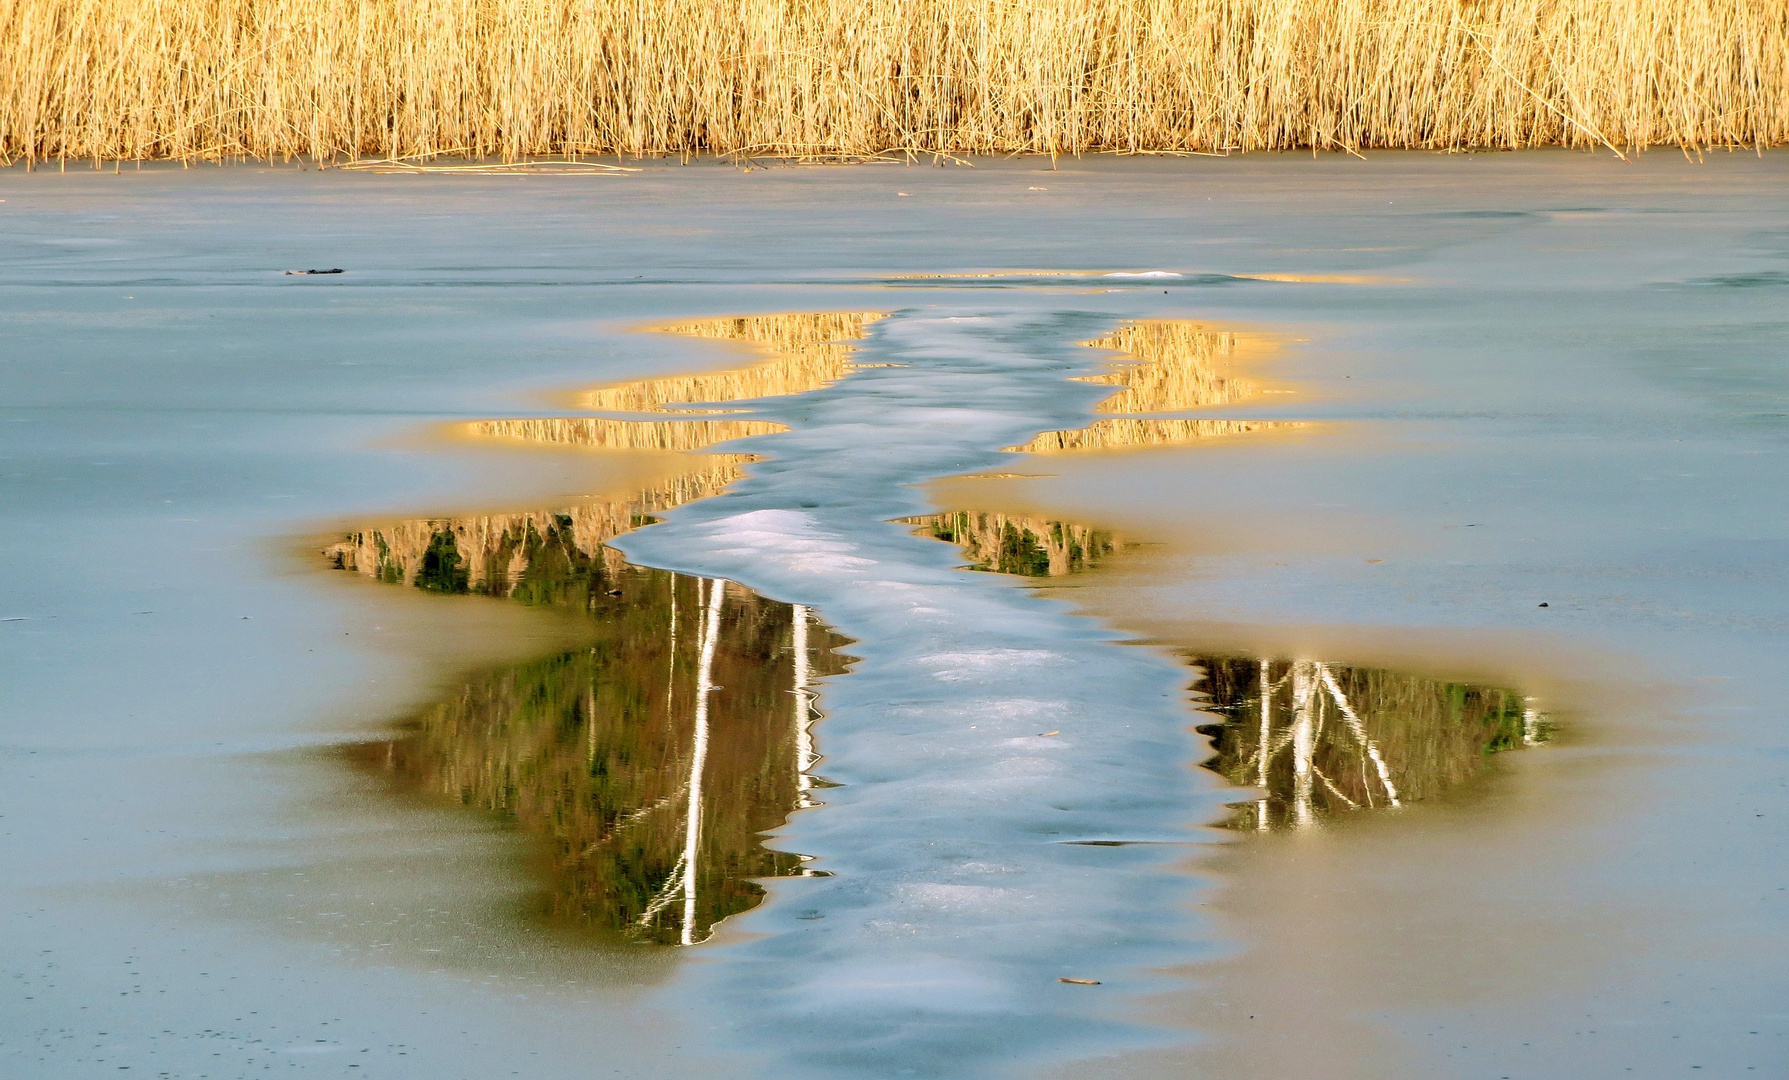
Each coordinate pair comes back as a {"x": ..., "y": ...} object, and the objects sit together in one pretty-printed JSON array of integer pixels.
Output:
[{"x": 827, "y": 79}]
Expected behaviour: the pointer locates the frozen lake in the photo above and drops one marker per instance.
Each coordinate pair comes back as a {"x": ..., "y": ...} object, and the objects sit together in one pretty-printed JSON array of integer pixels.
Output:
[{"x": 402, "y": 665}]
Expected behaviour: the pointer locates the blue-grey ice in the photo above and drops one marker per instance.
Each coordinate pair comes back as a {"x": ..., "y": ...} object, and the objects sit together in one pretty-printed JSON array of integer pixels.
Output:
[{"x": 1581, "y": 359}]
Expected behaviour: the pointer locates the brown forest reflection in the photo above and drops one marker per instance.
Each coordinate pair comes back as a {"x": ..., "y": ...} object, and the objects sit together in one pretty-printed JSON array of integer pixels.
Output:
[
  {"x": 648, "y": 764},
  {"x": 1337, "y": 737}
]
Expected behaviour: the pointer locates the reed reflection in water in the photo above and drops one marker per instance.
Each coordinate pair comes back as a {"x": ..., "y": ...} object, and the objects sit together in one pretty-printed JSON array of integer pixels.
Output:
[
  {"x": 1126, "y": 432},
  {"x": 602, "y": 433},
  {"x": 808, "y": 351},
  {"x": 648, "y": 764},
  {"x": 1166, "y": 366}
]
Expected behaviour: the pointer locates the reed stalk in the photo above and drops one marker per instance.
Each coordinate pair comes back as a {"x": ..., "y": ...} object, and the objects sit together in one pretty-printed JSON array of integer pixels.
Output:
[{"x": 412, "y": 80}]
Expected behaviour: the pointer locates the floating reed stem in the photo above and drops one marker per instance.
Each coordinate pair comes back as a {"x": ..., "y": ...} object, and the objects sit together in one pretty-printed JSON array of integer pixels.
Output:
[{"x": 831, "y": 79}]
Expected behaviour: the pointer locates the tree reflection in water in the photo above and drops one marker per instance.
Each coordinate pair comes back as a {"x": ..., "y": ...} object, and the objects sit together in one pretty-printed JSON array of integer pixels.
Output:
[
  {"x": 1016, "y": 544},
  {"x": 648, "y": 763},
  {"x": 1322, "y": 738},
  {"x": 1337, "y": 737}
]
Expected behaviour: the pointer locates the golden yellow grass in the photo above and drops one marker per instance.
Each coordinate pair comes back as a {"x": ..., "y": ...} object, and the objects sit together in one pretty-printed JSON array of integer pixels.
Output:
[{"x": 107, "y": 79}]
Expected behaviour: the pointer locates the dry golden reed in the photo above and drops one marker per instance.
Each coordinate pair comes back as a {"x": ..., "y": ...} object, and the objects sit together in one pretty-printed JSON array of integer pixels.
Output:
[{"x": 111, "y": 79}]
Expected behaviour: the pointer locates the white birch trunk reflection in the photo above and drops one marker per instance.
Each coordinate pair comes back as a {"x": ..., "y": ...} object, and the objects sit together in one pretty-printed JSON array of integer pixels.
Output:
[
  {"x": 1360, "y": 732},
  {"x": 1397, "y": 738},
  {"x": 671, "y": 665},
  {"x": 711, "y": 632},
  {"x": 804, "y": 738},
  {"x": 591, "y": 752},
  {"x": 1266, "y": 738},
  {"x": 1303, "y": 742}
]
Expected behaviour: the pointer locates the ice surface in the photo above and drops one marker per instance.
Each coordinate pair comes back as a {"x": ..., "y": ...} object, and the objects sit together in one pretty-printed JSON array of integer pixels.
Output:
[{"x": 1525, "y": 340}]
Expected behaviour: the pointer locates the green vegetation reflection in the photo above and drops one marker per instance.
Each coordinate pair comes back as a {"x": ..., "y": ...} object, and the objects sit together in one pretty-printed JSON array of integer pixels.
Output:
[
  {"x": 647, "y": 765},
  {"x": 1337, "y": 738},
  {"x": 1320, "y": 739},
  {"x": 1016, "y": 544}
]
